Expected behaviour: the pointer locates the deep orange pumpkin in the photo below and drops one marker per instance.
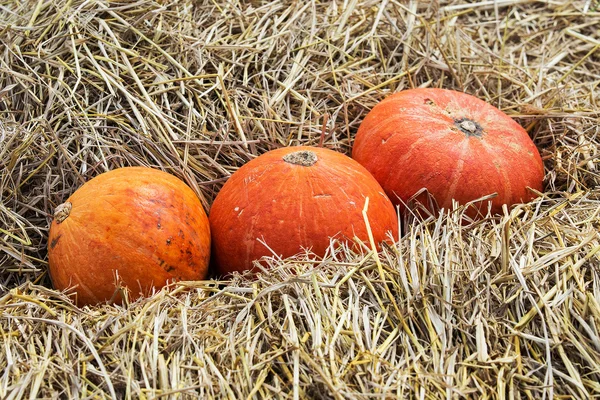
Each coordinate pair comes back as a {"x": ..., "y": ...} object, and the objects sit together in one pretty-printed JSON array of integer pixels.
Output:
[
  {"x": 451, "y": 143},
  {"x": 144, "y": 224},
  {"x": 294, "y": 198}
]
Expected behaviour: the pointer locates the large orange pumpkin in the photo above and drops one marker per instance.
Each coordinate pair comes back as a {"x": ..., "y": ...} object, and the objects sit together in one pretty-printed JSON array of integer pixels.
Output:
[
  {"x": 451, "y": 143},
  {"x": 294, "y": 198},
  {"x": 143, "y": 224}
]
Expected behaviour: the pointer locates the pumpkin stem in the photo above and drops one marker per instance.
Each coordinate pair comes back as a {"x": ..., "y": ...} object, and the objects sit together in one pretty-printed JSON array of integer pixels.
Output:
[
  {"x": 469, "y": 127},
  {"x": 62, "y": 212},
  {"x": 305, "y": 158}
]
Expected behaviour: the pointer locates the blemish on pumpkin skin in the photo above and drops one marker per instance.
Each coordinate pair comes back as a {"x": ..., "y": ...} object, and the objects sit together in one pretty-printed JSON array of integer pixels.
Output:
[
  {"x": 165, "y": 266},
  {"x": 189, "y": 219},
  {"x": 169, "y": 268},
  {"x": 515, "y": 146},
  {"x": 169, "y": 240},
  {"x": 158, "y": 201},
  {"x": 54, "y": 241},
  {"x": 189, "y": 257}
]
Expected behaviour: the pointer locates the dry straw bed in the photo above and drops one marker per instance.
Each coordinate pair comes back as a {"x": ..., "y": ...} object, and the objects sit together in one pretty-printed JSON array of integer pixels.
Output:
[{"x": 503, "y": 308}]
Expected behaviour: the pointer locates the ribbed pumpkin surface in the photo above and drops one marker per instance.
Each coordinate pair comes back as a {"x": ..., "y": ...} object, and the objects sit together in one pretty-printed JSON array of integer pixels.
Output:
[
  {"x": 144, "y": 224},
  {"x": 291, "y": 206},
  {"x": 451, "y": 143}
]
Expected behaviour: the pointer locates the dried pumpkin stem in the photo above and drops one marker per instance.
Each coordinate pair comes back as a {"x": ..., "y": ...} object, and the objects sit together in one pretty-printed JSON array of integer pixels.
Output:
[
  {"x": 62, "y": 211},
  {"x": 469, "y": 127},
  {"x": 305, "y": 158}
]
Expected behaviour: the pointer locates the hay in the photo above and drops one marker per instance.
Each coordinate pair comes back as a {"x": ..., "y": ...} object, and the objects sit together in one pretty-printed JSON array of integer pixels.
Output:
[{"x": 503, "y": 308}]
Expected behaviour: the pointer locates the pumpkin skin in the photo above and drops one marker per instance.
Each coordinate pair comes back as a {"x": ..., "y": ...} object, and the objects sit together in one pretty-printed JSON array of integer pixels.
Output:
[
  {"x": 144, "y": 223},
  {"x": 294, "y": 198},
  {"x": 451, "y": 143}
]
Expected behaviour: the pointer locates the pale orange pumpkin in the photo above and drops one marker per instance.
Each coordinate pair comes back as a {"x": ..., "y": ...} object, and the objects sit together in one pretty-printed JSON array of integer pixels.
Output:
[
  {"x": 455, "y": 145},
  {"x": 143, "y": 224}
]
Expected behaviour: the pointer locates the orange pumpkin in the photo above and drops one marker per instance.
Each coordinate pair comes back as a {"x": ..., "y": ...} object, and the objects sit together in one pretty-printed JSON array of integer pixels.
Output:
[
  {"x": 294, "y": 198},
  {"x": 451, "y": 143},
  {"x": 143, "y": 224}
]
